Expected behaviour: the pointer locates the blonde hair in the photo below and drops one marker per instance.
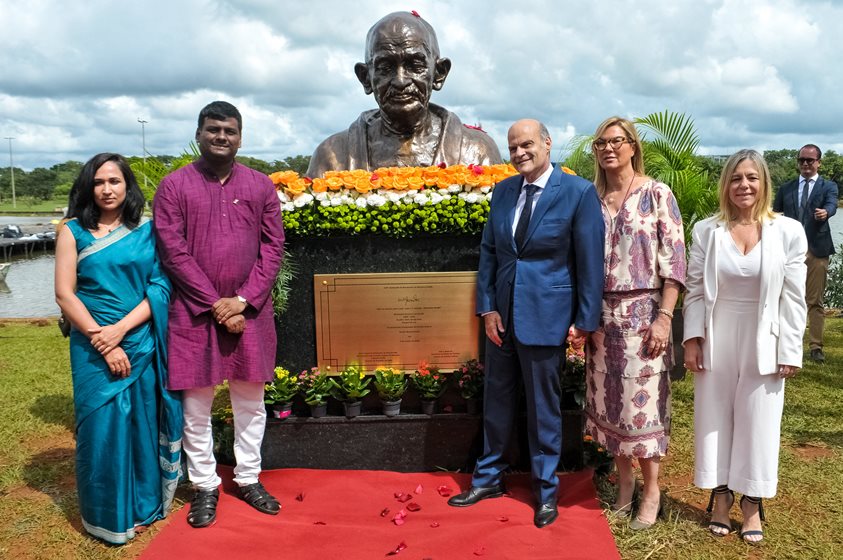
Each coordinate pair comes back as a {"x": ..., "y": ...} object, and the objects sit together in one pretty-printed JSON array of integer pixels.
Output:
[
  {"x": 763, "y": 204},
  {"x": 631, "y": 136}
]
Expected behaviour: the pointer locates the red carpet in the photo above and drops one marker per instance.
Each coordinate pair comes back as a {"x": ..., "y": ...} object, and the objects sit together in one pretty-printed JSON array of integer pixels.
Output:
[{"x": 348, "y": 515}]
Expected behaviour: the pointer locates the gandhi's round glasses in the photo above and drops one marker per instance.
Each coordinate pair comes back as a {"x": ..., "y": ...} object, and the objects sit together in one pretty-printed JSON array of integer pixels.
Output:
[{"x": 600, "y": 144}]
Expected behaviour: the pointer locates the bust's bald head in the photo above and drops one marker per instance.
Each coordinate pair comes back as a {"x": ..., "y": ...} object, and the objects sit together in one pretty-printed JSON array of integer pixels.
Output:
[{"x": 401, "y": 24}]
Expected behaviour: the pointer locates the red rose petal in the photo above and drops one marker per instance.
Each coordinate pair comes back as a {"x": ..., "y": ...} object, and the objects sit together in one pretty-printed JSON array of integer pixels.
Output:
[
  {"x": 398, "y": 518},
  {"x": 384, "y": 511},
  {"x": 401, "y": 497},
  {"x": 503, "y": 519},
  {"x": 415, "y": 13},
  {"x": 444, "y": 491},
  {"x": 319, "y": 523},
  {"x": 442, "y": 165},
  {"x": 419, "y": 489},
  {"x": 401, "y": 546},
  {"x": 435, "y": 524},
  {"x": 413, "y": 506},
  {"x": 300, "y": 497}
]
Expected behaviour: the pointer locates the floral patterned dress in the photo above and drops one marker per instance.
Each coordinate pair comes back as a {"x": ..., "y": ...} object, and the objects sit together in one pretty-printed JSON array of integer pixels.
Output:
[{"x": 628, "y": 392}]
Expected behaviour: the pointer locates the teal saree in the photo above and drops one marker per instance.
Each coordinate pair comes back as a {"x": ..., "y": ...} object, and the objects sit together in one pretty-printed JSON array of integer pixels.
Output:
[{"x": 128, "y": 430}]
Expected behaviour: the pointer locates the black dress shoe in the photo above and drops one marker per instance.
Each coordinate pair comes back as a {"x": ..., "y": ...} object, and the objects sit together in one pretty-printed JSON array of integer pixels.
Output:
[
  {"x": 817, "y": 355},
  {"x": 545, "y": 515},
  {"x": 475, "y": 494}
]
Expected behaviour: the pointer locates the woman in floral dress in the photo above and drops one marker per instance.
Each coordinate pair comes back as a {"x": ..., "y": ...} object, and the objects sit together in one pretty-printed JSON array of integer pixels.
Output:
[{"x": 631, "y": 354}]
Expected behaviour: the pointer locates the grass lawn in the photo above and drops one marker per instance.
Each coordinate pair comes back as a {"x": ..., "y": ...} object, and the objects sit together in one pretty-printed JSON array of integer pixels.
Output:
[
  {"x": 26, "y": 205},
  {"x": 39, "y": 517}
]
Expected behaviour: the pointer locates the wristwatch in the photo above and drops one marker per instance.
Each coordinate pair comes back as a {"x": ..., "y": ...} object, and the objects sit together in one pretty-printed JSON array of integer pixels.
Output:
[{"x": 242, "y": 300}]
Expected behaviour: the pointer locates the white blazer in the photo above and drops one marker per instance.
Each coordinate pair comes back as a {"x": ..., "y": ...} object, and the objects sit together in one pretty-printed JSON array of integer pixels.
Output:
[{"x": 781, "y": 304}]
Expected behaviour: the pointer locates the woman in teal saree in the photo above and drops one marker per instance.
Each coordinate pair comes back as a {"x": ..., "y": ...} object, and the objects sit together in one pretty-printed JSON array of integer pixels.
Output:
[{"x": 110, "y": 287}]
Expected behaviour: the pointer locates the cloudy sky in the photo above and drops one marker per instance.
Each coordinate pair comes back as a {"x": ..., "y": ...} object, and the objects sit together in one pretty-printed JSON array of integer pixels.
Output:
[{"x": 77, "y": 76}]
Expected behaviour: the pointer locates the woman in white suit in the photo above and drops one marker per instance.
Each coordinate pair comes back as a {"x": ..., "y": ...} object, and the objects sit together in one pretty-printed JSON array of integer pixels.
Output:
[{"x": 744, "y": 320}]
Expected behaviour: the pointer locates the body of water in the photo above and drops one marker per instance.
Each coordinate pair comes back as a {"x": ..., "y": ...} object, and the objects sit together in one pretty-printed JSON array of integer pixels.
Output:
[{"x": 28, "y": 289}]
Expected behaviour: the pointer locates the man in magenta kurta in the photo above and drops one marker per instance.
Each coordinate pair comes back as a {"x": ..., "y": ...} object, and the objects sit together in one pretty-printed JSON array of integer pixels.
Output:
[{"x": 221, "y": 241}]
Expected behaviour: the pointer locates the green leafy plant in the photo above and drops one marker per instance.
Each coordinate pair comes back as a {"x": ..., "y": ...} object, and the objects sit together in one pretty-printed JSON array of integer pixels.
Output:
[
  {"x": 469, "y": 377},
  {"x": 390, "y": 383},
  {"x": 283, "y": 283},
  {"x": 428, "y": 381},
  {"x": 834, "y": 285},
  {"x": 282, "y": 388},
  {"x": 315, "y": 386},
  {"x": 351, "y": 384}
]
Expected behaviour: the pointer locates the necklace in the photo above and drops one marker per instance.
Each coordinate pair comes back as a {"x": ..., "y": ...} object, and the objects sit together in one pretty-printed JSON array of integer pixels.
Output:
[
  {"x": 609, "y": 198},
  {"x": 110, "y": 227}
]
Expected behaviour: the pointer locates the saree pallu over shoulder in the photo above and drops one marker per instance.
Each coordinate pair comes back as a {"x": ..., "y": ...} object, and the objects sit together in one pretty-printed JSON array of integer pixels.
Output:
[{"x": 127, "y": 428}]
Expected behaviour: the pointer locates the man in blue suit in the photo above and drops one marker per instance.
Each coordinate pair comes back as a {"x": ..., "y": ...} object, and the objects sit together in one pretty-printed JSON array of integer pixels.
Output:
[
  {"x": 812, "y": 200},
  {"x": 540, "y": 274}
]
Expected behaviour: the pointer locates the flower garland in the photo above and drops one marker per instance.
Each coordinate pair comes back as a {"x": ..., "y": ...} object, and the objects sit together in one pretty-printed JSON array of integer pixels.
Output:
[{"x": 396, "y": 201}]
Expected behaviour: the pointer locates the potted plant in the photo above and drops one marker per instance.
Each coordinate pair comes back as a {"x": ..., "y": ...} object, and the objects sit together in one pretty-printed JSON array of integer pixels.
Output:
[
  {"x": 469, "y": 378},
  {"x": 315, "y": 386},
  {"x": 278, "y": 393},
  {"x": 430, "y": 385},
  {"x": 390, "y": 384},
  {"x": 351, "y": 385}
]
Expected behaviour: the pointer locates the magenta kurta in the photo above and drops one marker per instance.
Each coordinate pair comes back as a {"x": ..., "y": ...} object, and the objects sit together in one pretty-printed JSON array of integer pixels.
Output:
[{"x": 219, "y": 240}]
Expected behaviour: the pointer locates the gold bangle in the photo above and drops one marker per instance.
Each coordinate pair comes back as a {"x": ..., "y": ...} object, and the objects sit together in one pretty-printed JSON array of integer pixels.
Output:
[{"x": 667, "y": 313}]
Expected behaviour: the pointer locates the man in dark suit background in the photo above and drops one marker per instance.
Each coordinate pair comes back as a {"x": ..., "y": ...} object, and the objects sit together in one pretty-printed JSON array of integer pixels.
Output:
[
  {"x": 540, "y": 273},
  {"x": 812, "y": 200}
]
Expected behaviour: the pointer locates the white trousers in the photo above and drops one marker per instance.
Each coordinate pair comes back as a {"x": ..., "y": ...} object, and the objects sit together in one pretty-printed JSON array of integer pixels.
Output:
[
  {"x": 249, "y": 423},
  {"x": 737, "y": 411}
]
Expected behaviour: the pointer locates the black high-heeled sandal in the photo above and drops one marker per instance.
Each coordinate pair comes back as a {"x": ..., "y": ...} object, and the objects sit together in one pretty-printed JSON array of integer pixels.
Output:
[
  {"x": 721, "y": 490},
  {"x": 745, "y": 534}
]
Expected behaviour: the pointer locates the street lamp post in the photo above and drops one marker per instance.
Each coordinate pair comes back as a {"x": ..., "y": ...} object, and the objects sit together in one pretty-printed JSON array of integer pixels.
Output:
[
  {"x": 12, "y": 171},
  {"x": 143, "y": 141}
]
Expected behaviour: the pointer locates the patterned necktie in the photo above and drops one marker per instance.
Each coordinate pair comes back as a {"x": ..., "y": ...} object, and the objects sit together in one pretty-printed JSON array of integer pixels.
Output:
[
  {"x": 803, "y": 202},
  {"x": 524, "y": 220}
]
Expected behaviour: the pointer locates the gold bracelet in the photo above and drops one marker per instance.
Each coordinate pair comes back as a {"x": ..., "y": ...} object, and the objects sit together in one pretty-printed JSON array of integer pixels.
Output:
[{"x": 669, "y": 314}]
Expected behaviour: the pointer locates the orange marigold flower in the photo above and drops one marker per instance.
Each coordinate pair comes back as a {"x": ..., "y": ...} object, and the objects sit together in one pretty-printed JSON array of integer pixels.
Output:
[
  {"x": 319, "y": 185},
  {"x": 568, "y": 170},
  {"x": 415, "y": 182},
  {"x": 334, "y": 183}
]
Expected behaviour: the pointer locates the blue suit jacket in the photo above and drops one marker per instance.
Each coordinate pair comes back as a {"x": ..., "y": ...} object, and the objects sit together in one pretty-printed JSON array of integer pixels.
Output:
[
  {"x": 823, "y": 195},
  {"x": 557, "y": 279}
]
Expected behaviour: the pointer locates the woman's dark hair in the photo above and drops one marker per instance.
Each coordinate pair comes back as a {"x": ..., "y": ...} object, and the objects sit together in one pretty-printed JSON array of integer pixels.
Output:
[{"x": 81, "y": 204}]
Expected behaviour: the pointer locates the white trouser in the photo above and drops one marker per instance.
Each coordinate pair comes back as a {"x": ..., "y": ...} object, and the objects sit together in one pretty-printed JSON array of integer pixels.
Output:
[
  {"x": 737, "y": 411},
  {"x": 249, "y": 423}
]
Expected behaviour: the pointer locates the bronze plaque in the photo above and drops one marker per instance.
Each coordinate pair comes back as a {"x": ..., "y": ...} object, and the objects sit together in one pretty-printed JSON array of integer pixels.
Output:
[{"x": 395, "y": 319}]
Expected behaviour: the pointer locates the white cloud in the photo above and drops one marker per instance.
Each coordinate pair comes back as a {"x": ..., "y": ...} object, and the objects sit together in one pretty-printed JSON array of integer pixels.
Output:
[{"x": 77, "y": 76}]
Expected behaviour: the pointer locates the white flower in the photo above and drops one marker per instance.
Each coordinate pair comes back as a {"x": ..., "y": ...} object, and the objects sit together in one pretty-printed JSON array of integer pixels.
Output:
[
  {"x": 347, "y": 199},
  {"x": 361, "y": 202},
  {"x": 421, "y": 199},
  {"x": 288, "y": 207},
  {"x": 321, "y": 197},
  {"x": 303, "y": 200},
  {"x": 454, "y": 188},
  {"x": 336, "y": 200},
  {"x": 435, "y": 198},
  {"x": 471, "y": 197},
  {"x": 324, "y": 202},
  {"x": 489, "y": 195},
  {"x": 282, "y": 196},
  {"x": 485, "y": 189},
  {"x": 376, "y": 200},
  {"x": 394, "y": 196}
]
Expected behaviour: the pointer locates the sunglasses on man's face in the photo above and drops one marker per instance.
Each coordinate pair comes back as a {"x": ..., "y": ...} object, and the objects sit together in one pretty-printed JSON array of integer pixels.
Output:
[{"x": 804, "y": 160}]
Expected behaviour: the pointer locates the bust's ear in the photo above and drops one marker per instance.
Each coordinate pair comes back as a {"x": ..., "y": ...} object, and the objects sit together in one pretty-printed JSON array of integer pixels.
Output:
[
  {"x": 362, "y": 71},
  {"x": 443, "y": 66}
]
